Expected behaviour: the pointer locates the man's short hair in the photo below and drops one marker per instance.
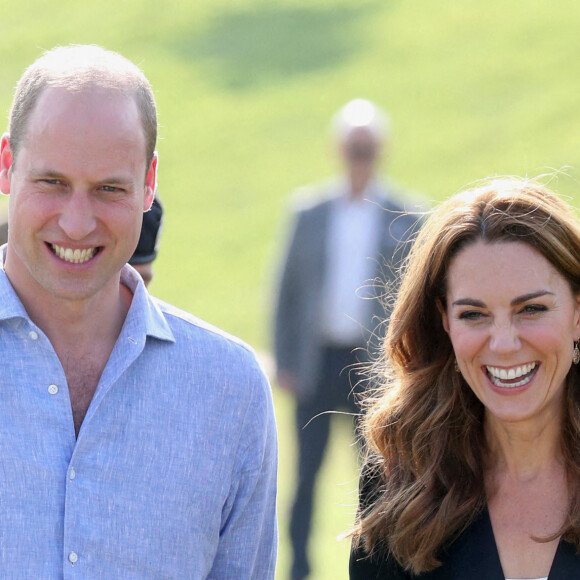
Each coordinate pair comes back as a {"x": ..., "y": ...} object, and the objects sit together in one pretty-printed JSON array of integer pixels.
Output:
[
  {"x": 361, "y": 113},
  {"x": 76, "y": 68},
  {"x": 150, "y": 235}
]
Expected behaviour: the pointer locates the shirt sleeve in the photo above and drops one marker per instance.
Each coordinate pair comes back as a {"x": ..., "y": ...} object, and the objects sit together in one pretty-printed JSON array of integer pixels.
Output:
[{"x": 248, "y": 536}]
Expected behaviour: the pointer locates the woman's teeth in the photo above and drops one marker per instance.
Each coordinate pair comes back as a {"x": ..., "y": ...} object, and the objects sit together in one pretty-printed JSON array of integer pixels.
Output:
[{"x": 508, "y": 377}]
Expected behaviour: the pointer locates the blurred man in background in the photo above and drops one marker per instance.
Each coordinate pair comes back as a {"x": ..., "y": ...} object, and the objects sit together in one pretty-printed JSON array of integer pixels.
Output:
[
  {"x": 148, "y": 245},
  {"x": 343, "y": 242}
]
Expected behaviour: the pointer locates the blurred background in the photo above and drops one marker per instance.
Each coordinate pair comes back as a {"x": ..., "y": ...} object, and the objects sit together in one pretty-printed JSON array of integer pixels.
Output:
[{"x": 246, "y": 90}]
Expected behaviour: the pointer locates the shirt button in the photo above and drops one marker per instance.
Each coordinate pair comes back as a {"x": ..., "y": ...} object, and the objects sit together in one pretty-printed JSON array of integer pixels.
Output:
[
  {"x": 72, "y": 473},
  {"x": 33, "y": 335},
  {"x": 52, "y": 389},
  {"x": 73, "y": 557}
]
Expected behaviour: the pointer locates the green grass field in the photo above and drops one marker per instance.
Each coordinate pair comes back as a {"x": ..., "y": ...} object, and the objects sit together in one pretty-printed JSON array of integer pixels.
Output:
[{"x": 245, "y": 90}]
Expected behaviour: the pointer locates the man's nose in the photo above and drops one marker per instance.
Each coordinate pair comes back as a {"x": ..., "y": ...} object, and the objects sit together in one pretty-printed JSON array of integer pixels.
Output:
[{"x": 77, "y": 219}]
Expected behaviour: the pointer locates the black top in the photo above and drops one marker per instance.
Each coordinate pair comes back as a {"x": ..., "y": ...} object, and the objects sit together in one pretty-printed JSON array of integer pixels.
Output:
[
  {"x": 148, "y": 245},
  {"x": 472, "y": 556}
]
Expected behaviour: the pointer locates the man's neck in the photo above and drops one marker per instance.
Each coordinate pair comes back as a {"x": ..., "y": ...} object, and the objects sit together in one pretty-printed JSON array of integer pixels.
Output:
[
  {"x": 77, "y": 326},
  {"x": 80, "y": 328},
  {"x": 358, "y": 182}
]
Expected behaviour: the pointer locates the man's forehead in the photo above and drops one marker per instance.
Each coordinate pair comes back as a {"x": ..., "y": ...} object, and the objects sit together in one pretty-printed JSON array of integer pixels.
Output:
[
  {"x": 86, "y": 112},
  {"x": 90, "y": 101},
  {"x": 362, "y": 133}
]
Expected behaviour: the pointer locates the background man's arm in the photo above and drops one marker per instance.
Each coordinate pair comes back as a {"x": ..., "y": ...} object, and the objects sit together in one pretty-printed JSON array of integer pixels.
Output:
[{"x": 286, "y": 314}]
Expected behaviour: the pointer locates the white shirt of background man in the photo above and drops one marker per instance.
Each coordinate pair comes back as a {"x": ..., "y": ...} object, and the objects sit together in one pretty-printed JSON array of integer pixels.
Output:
[{"x": 353, "y": 238}]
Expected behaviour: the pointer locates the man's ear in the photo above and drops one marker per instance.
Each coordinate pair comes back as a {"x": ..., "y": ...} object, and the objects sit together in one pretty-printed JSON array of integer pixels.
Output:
[
  {"x": 6, "y": 160},
  {"x": 150, "y": 183},
  {"x": 444, "y": 318}
]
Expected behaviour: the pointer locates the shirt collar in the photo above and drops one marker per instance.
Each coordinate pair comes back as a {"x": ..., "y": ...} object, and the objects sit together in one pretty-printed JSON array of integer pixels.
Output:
[
  {"x": 372, "y": 192},
  {"x": 144, "y": 317},
  {"x": 10, "y": 305}
]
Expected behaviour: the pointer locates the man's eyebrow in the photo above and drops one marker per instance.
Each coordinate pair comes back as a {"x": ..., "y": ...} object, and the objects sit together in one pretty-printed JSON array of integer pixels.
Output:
[
  {"x": 518, "y": 300},
  {"x": 46, "y": 173},
  {"x": 116, "y": 181},
  {"x": 51, "y": 173}
]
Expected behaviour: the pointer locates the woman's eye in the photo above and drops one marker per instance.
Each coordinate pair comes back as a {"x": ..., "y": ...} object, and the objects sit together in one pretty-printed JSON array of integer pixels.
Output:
[
  {"x": 534, "y": 308},
  {"x": 470, "y": 315}
]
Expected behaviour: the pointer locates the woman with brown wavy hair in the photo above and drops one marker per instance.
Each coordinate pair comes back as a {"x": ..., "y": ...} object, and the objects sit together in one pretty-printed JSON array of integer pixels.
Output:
[{"x": 473, "y": 433}]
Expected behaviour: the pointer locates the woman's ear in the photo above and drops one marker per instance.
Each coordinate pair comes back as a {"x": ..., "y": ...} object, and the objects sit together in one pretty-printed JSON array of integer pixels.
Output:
[
  {"x": 444, "y": 319},
  {"x": 577, "y": 316}
]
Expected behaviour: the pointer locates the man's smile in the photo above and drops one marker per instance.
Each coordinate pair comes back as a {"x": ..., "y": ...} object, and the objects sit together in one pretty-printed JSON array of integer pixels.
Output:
[{"x": 75, "y": 256}]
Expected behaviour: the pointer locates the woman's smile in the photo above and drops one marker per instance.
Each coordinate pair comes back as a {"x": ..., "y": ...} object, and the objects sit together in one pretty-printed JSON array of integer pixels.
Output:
[
  {"x": 512, "y": 319},
  {"x": 517, "y": 376}
]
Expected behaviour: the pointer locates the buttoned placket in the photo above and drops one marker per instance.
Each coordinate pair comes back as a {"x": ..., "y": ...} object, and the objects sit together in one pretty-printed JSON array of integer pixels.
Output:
[
  {"x": 57, "y": 393},
  {"x": 73, "y": 496}
]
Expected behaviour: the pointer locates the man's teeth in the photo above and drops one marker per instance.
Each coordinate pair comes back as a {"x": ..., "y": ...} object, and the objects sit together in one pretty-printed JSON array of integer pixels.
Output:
[
  {"x": 499, "y": 376},
  {"x": 73, "y": 256}
]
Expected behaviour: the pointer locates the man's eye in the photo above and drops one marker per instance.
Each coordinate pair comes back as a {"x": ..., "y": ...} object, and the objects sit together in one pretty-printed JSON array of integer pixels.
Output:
[{"x": 111, "y": 189}]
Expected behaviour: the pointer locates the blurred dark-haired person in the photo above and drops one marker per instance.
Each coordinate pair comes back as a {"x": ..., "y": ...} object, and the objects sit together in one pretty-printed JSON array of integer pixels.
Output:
[
  {"x": 137, "y": 441},
  {"x": 473, "y": 433},
  {"x": 148, "y": 244},
  {"x": 344, "y": 237}
]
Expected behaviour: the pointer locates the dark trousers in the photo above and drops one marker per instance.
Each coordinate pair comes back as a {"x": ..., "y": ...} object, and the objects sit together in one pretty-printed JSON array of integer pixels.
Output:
[{"x": 336, "y": 389}]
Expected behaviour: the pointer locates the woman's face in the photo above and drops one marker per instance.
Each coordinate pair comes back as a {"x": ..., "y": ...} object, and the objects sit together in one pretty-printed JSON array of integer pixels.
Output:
[{"x": 512, "y": 319}]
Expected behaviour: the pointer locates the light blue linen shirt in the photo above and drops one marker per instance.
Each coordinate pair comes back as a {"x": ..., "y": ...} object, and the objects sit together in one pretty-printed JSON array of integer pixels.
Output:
[{"x": 173, "y": 474}]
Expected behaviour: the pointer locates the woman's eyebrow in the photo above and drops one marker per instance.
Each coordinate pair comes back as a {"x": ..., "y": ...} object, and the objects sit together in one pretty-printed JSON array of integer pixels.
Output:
[
  {"x": 514, "y": 302},
  {"x": 530, "y": 296},
  {"x": 469, "y": 302}
]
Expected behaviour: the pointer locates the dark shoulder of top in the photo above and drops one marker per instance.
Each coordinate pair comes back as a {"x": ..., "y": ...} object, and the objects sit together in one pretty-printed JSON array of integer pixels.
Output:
[
  {"x": 472, "y": 555},
  {"x": 371, "y": 482},
  {"x": 380, "y": 565}
]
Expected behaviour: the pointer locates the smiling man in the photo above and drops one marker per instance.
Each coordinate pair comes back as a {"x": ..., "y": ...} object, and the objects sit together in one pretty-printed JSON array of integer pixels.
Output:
[{"x": 119, "y": 455}]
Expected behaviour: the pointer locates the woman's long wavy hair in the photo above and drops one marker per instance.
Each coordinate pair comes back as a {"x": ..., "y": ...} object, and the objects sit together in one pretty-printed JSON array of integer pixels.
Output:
[{"x": 423, "y": 426}]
